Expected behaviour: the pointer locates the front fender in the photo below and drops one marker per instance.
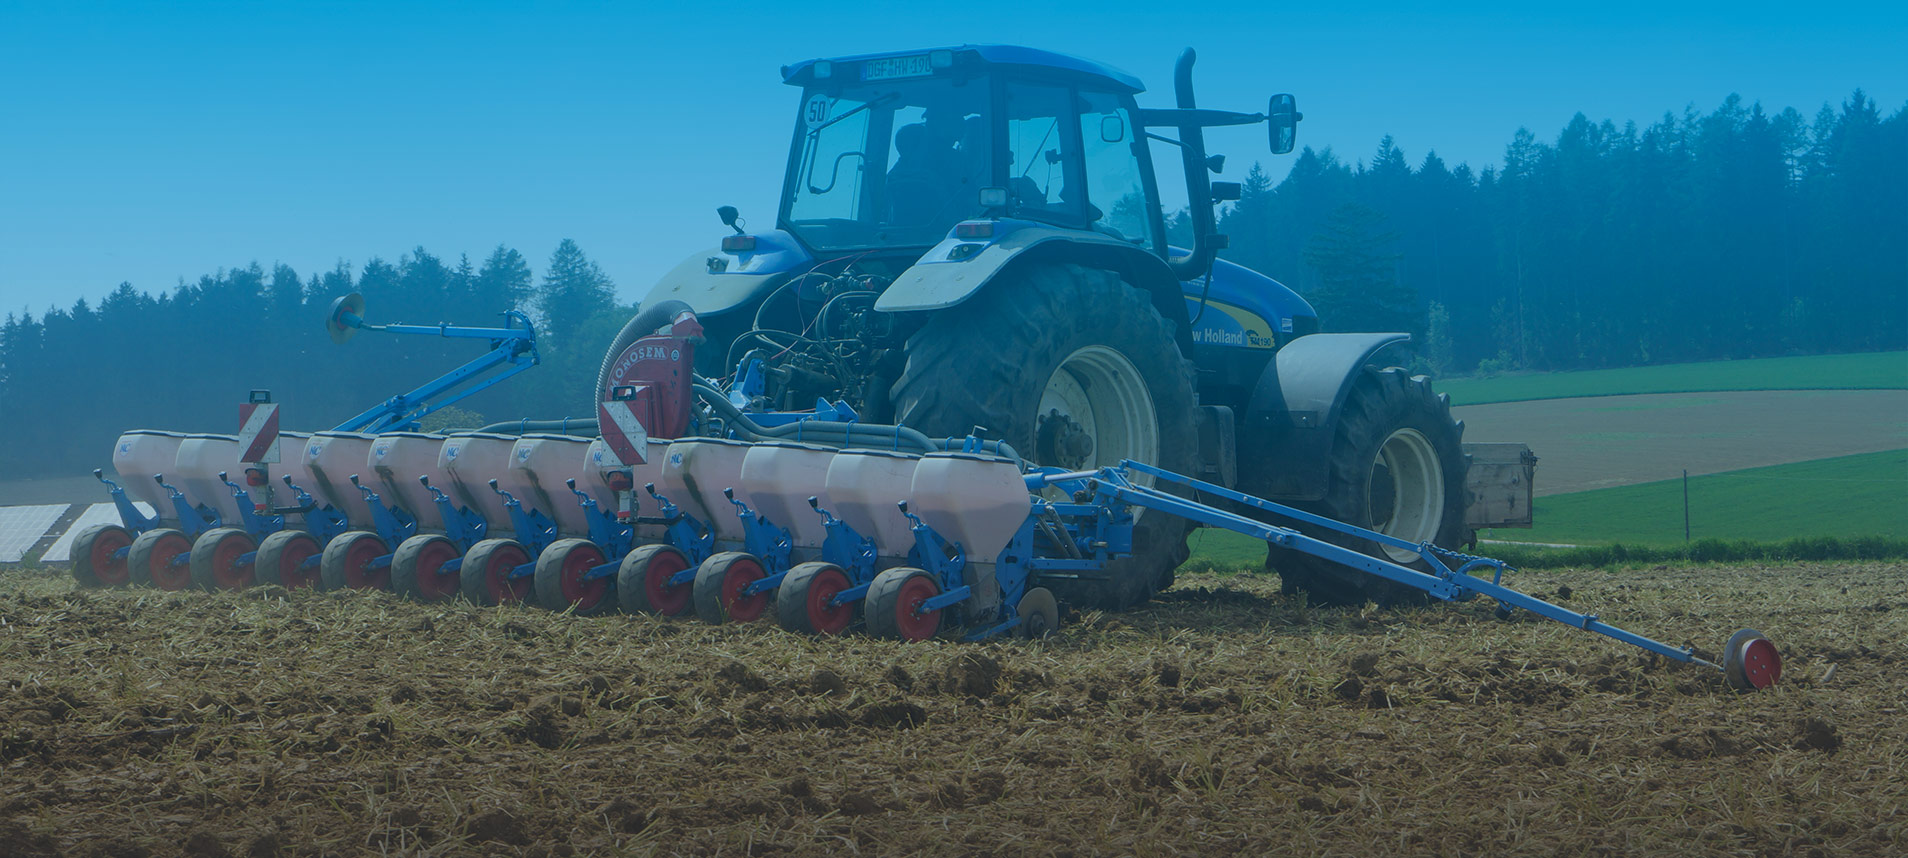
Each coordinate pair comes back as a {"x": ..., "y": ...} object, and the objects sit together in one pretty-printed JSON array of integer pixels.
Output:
[
  {"x": 956, "y": 269},
  {"x": 1286, "y": 437},
  {"x": 716, "y": 281}
]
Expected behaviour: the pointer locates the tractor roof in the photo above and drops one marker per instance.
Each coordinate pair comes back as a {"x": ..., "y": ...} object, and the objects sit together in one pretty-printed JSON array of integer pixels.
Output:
[{"x": 801, "y": 73}]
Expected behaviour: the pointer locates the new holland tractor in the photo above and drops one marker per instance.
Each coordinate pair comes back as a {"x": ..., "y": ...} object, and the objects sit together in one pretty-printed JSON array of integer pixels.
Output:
[
  {"x": 971, "y": 241},
  {"x": 963, "y": 382}
]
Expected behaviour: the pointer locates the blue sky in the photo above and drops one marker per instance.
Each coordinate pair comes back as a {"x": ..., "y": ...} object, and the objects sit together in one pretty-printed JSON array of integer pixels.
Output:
[{"x": 150, "y": 142}]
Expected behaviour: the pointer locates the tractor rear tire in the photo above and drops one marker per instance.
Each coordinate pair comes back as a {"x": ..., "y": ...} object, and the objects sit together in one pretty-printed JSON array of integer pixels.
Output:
[
  {"x": 1043, "y": 335},
  {"x": 1397, "y": 467}
]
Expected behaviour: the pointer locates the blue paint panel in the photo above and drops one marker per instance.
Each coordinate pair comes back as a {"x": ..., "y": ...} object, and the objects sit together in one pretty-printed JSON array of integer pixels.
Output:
[{"x": 1243, "y": 307}]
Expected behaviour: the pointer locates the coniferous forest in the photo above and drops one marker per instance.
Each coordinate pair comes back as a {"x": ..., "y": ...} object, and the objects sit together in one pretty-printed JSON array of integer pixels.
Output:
[{"x": 1737, "y": 233}]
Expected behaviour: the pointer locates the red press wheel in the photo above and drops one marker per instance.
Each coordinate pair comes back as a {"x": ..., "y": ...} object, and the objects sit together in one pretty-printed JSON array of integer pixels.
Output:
[
  {"x": 215, "y": 559},
  {"x": 719, "y": 585},
  {"x": 151, "y": 559},
  {"x": 642, "y": 582},
  {"x": 94, "y": 563},
  {"x": 561, "y": 581},
  {"x": 281, "y": 560},
  {"x": 1750, "y": 661},
  {"x": 485, "y": 578},
  {"x": 417, "y": 569},
  {"x": 894, "y": 600},
  {"x": 805, "y": 602},
  {"x": 347, "y": 563}
]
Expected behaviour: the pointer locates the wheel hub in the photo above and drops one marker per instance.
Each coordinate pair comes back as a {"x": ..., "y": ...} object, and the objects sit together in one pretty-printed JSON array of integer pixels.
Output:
[
  {"x": 1063, "y": 441},
  {"x": 1095, "y": 411}
]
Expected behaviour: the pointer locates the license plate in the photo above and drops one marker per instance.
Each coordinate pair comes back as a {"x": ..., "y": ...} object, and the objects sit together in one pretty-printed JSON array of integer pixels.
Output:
[{"x": 888, "y": 68}]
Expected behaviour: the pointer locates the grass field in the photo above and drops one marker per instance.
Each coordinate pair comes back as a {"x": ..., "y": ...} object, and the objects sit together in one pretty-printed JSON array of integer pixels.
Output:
[
  {"x": 1869, "y": 371},
  {"x": 1849, "y": 496},
  {"x": 1221, "y": 719}
]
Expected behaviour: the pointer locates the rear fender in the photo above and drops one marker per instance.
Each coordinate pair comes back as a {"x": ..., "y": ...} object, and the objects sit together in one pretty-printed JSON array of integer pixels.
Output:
[
  {"x": 957, "y": 269},
  {"x": 1286, "y": 436}
]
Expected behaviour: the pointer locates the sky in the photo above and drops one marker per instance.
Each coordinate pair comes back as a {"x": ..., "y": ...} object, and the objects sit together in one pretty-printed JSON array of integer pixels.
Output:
[{"x": 153, "y": 142}]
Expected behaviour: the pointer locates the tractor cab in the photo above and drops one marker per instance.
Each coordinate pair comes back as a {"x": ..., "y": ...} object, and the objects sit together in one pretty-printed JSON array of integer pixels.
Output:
[{"x": 893, "y": 150}]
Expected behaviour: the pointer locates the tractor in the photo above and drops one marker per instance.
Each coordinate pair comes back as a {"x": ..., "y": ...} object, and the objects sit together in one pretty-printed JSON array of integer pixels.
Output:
[{"x": 970, "y": 241}]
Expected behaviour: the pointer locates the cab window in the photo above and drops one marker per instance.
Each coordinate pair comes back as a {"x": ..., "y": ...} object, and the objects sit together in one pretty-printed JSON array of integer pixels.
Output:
[
  {"x": 1042, "y": 166},
  {"x": 1116, "y": 193}
]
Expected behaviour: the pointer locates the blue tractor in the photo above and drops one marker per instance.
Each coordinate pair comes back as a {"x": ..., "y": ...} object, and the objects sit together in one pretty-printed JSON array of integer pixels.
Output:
[{"x": 971, "y": 241}]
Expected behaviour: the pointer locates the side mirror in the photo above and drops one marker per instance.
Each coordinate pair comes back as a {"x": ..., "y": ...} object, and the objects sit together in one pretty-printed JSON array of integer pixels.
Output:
[
  {"x": 1112, "y": 129},
  {"x": 1281, "y": 120}
]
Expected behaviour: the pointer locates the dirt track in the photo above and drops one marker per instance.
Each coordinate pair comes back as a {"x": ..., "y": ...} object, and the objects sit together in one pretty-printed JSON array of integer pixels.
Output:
[
  {"x": 1221, "y": 722},
  {"x": 1604, "y": 441}
]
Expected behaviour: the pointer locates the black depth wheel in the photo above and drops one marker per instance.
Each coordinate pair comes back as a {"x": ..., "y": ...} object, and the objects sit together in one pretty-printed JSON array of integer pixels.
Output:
[
  {"x": 94, "y": 563},
  {"x": 215, "y": 558},
  {"x": 560, "y": 580},
  {"x": 1076, "y": 369},
  {"x": 1397, "y": 467},
  {"x": 804, "y": 602},
  {"x": 893, "y": 599},
  {"x": 417, "y": 567},
  {"x": 150, "y": 560},
  {"x": 347, "y": 563},
  {"x": 720, "y": 581},
  {"x": 642, "y": 582},
  {"x": 281, "y": 560},
  {"x": 485, "y": 576}
]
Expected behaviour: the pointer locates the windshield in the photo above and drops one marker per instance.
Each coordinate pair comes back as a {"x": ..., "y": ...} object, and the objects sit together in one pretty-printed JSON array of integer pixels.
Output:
[{"x": 887, "y": 165}]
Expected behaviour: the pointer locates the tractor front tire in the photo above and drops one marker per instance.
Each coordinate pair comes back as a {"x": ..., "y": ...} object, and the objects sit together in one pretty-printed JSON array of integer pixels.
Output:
[
  {"x": 1397, "y": 467},
  {"x": 1076, "y": 369}
]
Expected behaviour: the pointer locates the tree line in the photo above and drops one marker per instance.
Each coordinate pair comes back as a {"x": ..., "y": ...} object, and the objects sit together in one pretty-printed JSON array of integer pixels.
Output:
[
  {"x": 72, "y": 379},
  {"x": 1738, "y": 233}
]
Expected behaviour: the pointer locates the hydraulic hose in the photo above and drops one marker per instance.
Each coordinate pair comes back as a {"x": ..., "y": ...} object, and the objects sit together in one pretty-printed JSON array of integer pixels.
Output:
[
  {"x": 841, "y": 434},
  {"x": 827, "y": 432}
]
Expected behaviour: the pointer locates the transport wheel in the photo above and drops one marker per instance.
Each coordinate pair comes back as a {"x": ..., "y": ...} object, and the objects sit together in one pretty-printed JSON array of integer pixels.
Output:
[
  {"x": 803, "y": 603},
  {"x": 345, "y": 561},
  {"x": 215, "y": 557},
  {"x": 561, "y": 583},
  {"x": 1397, "y": 467},
  {"x": 642, "y": 582},
  {"x": 1750, "y": 661},
  {"x": 281, "y": 560},
  {"x": 1076, "y": 369},
  {"x": 93, "y": 562},
  {"x": 1039, "y": 614},
  {"x": 151, "y": 556},
  {"x": 486, "y": 574},
  {"x": 720, "y": 581},
  {"x": 892, "y": 600},
  {"x": 417, "y": 567}
]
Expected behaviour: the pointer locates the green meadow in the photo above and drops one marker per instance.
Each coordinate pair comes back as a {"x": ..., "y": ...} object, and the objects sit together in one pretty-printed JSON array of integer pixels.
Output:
[
  {"x": 1869, "y": 371},
  {"x": 1848, "y": 497}
]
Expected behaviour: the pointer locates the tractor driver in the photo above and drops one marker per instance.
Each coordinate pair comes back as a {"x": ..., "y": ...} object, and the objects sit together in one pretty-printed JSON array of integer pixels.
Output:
[{"x": 932, "y": 167}]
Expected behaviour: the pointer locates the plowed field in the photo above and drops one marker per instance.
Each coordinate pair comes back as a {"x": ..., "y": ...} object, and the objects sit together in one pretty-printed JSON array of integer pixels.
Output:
[{"x": 1221, "y": 719}]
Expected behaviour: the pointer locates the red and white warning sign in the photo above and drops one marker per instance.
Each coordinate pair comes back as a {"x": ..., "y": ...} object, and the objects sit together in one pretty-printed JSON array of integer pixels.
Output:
[
  {"x": 622, "y": 432},
  {"x": 258, "y": 433}
]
